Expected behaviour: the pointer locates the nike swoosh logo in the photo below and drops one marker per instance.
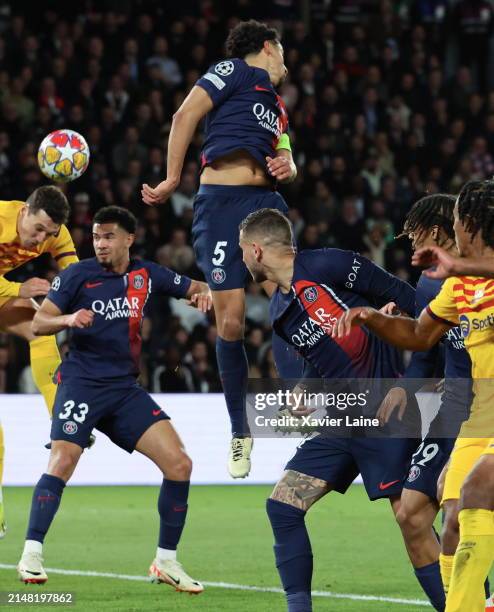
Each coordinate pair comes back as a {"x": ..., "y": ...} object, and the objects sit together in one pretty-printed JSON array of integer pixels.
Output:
[
  {"x": 172, "y": 578},
  {"x": 33, "y": 573},
  {"x": 259, "y": 88},
  {"x": 156, "y": 412},
  {"x": 92, "y": 285},
  {"x": 383, "y": 486}
]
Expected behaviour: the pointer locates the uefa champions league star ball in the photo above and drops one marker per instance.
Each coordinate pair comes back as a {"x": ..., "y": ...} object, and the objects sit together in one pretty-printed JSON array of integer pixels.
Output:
[{"x": 63, "y": 156}]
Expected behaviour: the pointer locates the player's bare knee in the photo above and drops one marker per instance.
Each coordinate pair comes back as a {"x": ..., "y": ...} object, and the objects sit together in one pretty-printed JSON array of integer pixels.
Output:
[
  {"x": 299, "y": 490},
  {"x": 451, "y": 526},
  {"x": 62, "y": 463},
  {"x": 178, "y": 467},
  {"x": 475, "y": 492},
  {"x": 409, "y": 520},
  {"x": 230, "y": 327}
]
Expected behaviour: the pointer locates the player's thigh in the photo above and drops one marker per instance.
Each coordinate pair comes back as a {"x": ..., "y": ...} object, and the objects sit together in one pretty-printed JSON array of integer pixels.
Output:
[
  {"x": 478, "y": 488},
  {"x": 464, "y": 456},
  {"x": 299, "y": 490},
  {"x": 78, "y": 408},
  {"x": 64, "y": 457},
  {"x": 218, "y": 212},
  {"x": 16, "y": 315},
  {"x": 162, "y": 444},
  {"x": 383, "y": 464},
  {"x": 229, "y": 309},
  {"x": 427, "y": 465},
  {"x": 326, "y": 460}
]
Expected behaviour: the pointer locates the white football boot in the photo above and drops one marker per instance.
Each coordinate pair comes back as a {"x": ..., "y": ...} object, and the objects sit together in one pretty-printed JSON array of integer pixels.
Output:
[
  {"x": 239, "y": 457},
  {"x": 30, "y": 569},
  {"x": 171, "y": 572}
]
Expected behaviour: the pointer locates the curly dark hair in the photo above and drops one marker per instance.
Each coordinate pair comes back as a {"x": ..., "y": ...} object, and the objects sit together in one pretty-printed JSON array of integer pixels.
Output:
[
  {"x": 476, "y": 209},
  {"x": 116, "y": 214},
  {"x": 429, "y": 211},
  {"x": 52, "y": 200},
  {"x": 248, "y": 37}
]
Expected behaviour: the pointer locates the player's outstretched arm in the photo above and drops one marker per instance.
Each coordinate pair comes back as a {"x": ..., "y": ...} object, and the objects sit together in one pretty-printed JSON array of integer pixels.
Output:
[
  {"x": 199, "y": 295},
  {"x": 446, "y": 265},
  {"x": 403, "y": 332},
  {"x": 49, "y": 319},
  {"x": 195, "y": 106}
]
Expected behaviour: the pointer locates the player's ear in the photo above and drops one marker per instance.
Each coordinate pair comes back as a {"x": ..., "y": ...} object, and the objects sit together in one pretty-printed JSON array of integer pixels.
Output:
[
  {"x": 435, "y": 233},
  {"x": 266, "y": 47},
  {"x": 131, "y": 239}
]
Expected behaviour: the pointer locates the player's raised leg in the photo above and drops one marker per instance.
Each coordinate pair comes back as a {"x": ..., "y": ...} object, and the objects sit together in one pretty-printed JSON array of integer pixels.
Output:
[
  {"x": 15, "y": 318},
  {"x": 3, "y": 526},
  {"x": 162, "y": 445},
  {"x": 233, "y": 367},
  {"x": 47, "y": 495}
]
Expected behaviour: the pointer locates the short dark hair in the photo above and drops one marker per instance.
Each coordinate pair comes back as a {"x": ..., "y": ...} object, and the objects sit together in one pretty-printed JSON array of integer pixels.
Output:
[
  {"x": 269, "y": 224},
  {"x": 116, "y": 214},
  {"x": 429, "y": 211},
  {"x": 52, "y": 200},
  {"x": 476, "y": 209},
  {"x": 248, "y": 37}
]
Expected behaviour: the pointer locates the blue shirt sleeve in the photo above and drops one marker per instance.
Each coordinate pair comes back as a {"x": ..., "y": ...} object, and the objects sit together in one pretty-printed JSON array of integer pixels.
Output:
[
  {"x": 64, "y": 288},
  {"x": 222, "y": 79},
  {"x": 424, "y": 364},
  {"x": 167, "y": 282},
  {"x": 356, "y": 273}
]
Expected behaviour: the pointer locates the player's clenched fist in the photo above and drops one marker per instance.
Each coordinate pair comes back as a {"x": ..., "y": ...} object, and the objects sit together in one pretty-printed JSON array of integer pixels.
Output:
[
  {"x": 81, "y": 318},
  {"x": 34, "y": 287}
]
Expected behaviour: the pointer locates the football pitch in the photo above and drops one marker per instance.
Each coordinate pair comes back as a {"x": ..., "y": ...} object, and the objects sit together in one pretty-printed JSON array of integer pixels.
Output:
[{"x": 360, "y": 563}]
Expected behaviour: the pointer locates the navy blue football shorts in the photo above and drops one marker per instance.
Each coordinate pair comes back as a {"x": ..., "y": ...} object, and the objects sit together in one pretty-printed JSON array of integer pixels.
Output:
[
  {"x": 383, "y": 463},
  {"x": 427, "y": 464},
  {"x": 122, "y": 412},
  {"x": 218, "y": 211}
]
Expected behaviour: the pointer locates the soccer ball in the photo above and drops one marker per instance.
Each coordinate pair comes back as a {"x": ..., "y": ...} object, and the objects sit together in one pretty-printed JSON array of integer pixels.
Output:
[{"x": 63, "y": 156}]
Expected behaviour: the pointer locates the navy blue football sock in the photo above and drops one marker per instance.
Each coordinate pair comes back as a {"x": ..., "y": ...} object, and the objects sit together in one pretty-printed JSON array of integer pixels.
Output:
[
  {"x": 487, "y": 588},
  {"x": 44, "y": 505},
  {"x": 292, "y": 551},
  {"x": 429, "y": 577},
  {"x": 289, "y": 362},
  {"x": 299, "y": 602},
  {"x": 234, "y": 371},
  {"x": 172, "y": 506}
]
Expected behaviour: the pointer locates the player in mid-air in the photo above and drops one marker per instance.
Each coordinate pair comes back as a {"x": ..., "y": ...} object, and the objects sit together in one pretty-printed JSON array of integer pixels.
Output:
[
  {"x": 313, "y": 289},
  {"x": 246, "y": 151},
  {"x": 466, "y": 300},
  {"x": 102, "y": 300},
  {"x": 430, "y": 223},
  {"x": 27, "y": 230}
]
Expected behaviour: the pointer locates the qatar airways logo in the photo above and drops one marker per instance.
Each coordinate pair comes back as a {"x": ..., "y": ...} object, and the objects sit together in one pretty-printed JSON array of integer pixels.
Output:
[
  {"x": 312, "y": 330},
  {"x": 267, "y": 119},
  {"x": 117, "y": 308}
]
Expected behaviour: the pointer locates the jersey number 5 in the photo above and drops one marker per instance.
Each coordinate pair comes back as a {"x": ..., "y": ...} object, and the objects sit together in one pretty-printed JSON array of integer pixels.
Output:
[
  {"x": 69, "y": 406},
  {"x": 219, "y": 251}
]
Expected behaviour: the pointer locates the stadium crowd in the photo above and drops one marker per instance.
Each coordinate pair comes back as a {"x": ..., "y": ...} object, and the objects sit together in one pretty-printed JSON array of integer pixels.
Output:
[{"x": 387, "y": 101}]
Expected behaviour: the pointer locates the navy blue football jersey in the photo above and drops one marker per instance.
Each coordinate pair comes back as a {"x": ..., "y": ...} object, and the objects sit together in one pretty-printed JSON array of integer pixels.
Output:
[
  {"x": 457, "y": 395},
  {"x": 326, "y": 282},
  {"x": 111, "y": 347},
  {"x": 457, "y": 362},
  {"x": 248, "y": 114}
]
